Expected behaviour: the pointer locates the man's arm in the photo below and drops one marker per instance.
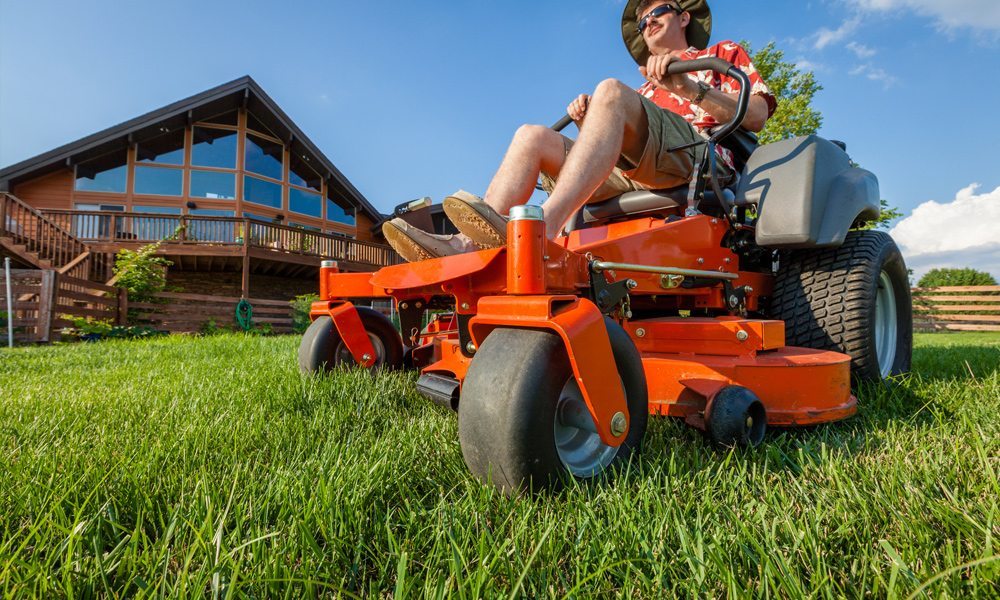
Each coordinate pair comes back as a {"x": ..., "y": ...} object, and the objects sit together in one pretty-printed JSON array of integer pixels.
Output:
[{"x": 720, "y": 105}]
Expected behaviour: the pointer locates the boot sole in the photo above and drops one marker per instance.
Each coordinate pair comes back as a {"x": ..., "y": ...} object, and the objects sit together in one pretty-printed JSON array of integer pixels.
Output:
[{"x": 471, "y": 221}]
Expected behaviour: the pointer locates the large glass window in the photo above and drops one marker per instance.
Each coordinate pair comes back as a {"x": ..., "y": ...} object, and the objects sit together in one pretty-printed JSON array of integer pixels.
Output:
[
  {"x": 263, "y": 192},
  {"x": 158, "y": 181},
  {"x": 167, "y": 149},
  {"x": 300, "y": 173},
  {"x": 305, "y": 203},
  {"x": 107, "y": 173},
  {"x": 214, "y": 148},
  {"x": 335, "y": 212},
  {"x": 263, "y": 157},
  {"x": 213, "y": 184}
]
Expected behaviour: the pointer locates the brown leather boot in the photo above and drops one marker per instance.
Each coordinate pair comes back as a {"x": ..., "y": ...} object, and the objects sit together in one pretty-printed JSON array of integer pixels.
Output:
[
  {"x": 476, "y": 219},
  {"x": 415, "y": 244}
]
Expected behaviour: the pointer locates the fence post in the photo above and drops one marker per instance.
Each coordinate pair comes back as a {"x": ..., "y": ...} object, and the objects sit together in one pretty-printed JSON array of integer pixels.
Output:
[
  {"x": 122, "y": 307},
  {"x": 48, "y": 297}
]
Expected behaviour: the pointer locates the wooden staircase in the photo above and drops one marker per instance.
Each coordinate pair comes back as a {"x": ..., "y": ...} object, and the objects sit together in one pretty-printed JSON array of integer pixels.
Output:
[{"x": 33, "y": 240}]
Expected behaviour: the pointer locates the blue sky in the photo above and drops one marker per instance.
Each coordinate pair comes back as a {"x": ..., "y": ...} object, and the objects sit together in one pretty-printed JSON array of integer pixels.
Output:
[{"x": 415, "y": 99}]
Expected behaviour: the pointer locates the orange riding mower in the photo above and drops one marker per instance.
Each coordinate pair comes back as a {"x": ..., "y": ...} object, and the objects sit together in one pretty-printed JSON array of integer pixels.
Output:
[{"x": 733, "y": 309}]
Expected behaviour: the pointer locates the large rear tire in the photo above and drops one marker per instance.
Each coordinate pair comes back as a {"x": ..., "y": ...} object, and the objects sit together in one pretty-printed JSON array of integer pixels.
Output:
[
  {"x": 321, "y": 348},
  {"x": 522, "y": 421},
  {"x": 853, "y": 299}
]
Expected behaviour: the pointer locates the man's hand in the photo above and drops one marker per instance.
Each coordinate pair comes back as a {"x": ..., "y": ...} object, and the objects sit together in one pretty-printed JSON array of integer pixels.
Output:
[
  {"x": 577, "y": 109},
  {"x": 655, "y": 71}
]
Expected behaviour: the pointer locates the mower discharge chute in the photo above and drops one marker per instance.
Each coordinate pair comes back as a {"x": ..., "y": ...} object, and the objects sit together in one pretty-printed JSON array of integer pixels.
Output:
[{"x": 677, "y": 303}]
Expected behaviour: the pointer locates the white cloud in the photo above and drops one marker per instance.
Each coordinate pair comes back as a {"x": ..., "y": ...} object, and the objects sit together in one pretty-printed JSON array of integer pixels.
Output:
[
  {"x": 982, "y": 15},
  {"x": 964, "y": 232},
  {"x": 874, "y": 73},
  {"x": 824, "y": 37},
  {"x": 860, "y": 50}
]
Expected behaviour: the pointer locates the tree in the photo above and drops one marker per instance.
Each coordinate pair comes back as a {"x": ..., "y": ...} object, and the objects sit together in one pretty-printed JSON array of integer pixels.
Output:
[
  {"x": 794, "y": 89},
  {"x": 795, "y": 116},
  {"x": 141, "y": 272},
  {"x": 955, "y": 277}
]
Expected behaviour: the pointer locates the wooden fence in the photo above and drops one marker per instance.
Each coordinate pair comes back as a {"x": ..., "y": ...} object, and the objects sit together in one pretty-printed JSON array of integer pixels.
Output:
[
  {"x": 191, "y": 313},
  {"x": 962, "y": 308},
  {"x": 45, "y": 301}
]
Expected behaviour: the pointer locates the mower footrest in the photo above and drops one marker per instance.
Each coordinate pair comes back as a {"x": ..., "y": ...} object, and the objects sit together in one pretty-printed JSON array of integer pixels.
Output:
[{"x": 441, "y": 389}]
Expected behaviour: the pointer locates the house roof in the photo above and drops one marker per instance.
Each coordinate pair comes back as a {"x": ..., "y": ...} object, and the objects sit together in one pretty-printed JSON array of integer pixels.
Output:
[{"x": 242, "y": 92}]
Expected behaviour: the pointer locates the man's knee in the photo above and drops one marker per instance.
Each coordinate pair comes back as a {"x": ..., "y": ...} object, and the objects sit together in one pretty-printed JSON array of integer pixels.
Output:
[
  {"x": 537, "y": 139},
  {"x": 612, "y": 91}
]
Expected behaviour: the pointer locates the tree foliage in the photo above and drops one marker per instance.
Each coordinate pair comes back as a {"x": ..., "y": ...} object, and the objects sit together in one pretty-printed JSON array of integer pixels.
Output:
[
  {"x": 955, "y": 277},
  {"x": 794, "y": 89},
  {"x": 141, "y": 272}
]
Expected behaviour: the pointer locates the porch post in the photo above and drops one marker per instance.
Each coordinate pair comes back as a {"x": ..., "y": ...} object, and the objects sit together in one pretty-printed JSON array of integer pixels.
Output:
[{"x": 245, "y": 290}]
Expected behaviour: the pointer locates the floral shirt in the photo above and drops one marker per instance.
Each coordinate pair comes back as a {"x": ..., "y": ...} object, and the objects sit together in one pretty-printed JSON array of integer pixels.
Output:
[{"x": 695, "y": 115}]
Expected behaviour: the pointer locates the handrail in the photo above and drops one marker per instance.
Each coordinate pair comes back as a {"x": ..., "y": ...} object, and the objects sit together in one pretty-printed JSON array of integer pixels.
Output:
[
  {"x": 38, "y": 234},
  {"x": 130, "y": 227}
]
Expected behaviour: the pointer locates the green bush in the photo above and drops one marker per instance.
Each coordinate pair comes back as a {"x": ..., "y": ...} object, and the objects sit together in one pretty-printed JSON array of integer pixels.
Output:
[
  {"x": 300, "y": 311},
  {"x": 141, "y": 272}
]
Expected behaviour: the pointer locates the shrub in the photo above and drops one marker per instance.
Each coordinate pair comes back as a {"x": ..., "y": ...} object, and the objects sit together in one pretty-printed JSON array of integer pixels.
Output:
[
  {"x": 300, "y": 311},
  {"x": 141, "y": 272}
]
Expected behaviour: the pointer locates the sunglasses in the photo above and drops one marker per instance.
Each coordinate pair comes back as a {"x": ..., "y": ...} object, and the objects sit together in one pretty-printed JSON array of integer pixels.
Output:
[{"x": 657, "y": 12}]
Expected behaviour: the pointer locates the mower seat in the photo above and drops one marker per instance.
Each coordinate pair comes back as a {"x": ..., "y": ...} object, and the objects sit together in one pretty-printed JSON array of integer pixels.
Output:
[{"x": 653, "y": 203}]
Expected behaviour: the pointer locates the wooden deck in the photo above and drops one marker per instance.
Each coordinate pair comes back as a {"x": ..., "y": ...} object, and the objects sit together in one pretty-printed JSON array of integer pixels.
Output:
[{"x": 223, "y": 243}]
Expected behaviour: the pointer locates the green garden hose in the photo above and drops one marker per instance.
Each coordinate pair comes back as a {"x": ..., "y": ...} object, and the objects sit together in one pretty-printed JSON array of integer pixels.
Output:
[{"x": 244, "y": 315}]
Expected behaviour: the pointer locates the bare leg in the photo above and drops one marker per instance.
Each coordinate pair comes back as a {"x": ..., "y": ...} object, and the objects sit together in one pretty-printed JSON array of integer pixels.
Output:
[
  {"x": 533, "y": 150},
  {"x": 616, "y": 124}
]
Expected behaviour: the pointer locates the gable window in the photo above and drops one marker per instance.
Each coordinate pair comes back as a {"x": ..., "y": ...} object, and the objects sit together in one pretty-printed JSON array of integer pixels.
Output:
[
  {"x": 305, "y": 203},
  {"x": 216, "y": 185},
  {"x": 339, "y": 214},
  {"x": 157, "y": 181},
  {"x": 300, "y": 173},
  {"x": 166, "y": 149},
  {"x": 260, "y": 191},
  {"x": 214, "y": 148},
  {"x": 264, "y": 157},
  {"x": 107, "y": 173}
]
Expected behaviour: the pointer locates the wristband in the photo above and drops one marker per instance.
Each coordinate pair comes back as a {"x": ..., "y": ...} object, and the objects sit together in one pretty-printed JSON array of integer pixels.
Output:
[{"x": 702, "y": 92}]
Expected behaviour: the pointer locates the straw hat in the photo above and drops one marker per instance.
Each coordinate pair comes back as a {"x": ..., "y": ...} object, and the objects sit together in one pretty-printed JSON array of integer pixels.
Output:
[{"x": 698, "y": 31}]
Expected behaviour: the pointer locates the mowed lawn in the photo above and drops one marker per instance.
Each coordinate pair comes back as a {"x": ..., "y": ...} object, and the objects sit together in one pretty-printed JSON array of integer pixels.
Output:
[{"x": 208, "y": 466}]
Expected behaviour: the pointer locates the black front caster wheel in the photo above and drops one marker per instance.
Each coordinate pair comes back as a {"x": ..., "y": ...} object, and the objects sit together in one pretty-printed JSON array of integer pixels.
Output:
[
  {"x": 736, "y": 418},
  {"x": 322, "y": 349}
]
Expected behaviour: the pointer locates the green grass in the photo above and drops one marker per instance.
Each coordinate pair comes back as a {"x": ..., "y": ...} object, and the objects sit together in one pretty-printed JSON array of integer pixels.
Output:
[{"x": 190, "y": 467}]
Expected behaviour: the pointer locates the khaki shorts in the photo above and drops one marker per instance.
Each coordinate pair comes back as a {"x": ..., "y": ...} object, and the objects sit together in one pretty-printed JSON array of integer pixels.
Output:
[{"x": 656, "y": 169}]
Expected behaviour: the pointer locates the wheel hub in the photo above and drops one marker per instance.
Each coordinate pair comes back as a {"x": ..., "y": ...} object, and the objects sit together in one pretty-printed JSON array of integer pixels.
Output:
[
  {"x": 885, "y": 324},
  {"x": 579, "y": 446},
  {"x": 343, "y": 355}
]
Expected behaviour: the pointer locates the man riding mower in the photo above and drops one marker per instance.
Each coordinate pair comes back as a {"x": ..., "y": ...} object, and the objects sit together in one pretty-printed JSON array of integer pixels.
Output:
[{"x": 665, "y": 274}]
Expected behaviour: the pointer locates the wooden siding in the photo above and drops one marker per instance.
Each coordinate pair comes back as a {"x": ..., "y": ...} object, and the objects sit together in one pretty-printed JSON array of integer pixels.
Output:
[{"x": 52, "y": 191}]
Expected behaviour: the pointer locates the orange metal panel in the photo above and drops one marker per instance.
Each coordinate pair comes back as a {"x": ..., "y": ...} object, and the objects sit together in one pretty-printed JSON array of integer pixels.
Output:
[
  {"x": 798, "y": 386},
  {"x": 730, "y": 336},
  {"x": 352, "y": 331},
  {"x": 581, "y": 326}
]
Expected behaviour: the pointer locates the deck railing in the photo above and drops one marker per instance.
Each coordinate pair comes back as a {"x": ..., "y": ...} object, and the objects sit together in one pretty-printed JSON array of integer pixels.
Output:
[
  {"x": 43, "y": 237},
  {"x": 126, "y": 227}
]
